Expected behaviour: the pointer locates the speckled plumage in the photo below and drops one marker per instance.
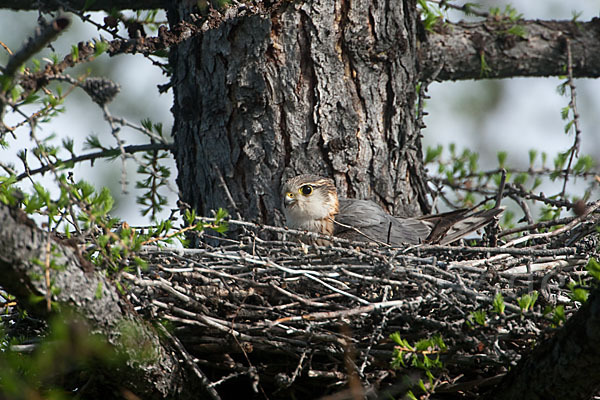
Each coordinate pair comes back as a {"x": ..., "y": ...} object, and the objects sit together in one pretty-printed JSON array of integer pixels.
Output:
[{"x": 311, "y": 203}]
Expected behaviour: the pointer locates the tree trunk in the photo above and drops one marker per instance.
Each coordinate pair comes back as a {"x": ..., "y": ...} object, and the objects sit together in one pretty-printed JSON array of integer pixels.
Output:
[
  {"x": 76, "y": 284},
  {"x": 325, "y": 87}
]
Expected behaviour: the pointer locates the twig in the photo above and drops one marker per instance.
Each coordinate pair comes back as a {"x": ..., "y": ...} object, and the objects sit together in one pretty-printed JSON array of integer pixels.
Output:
[
  {"x": 574, "y": 150},
  {"x": 232, "y": 202},
  {"x": 204, "y": 381},
  {"x": 44, "y": 34},
  {"x": 558, "y": 231},
  {"x": 500, "y": 188},
  {"x": 340, "y": 314},
  {"x": 47, "y": 275},
  {"x": 124, "y": 155},
  {"x": 93, "y": 156},
  {"x": 6, "y": 48},
  {"x": 496, "y": 250},
  {"x": 466, "y": 8},
  {"x": 536, "y": 226}
]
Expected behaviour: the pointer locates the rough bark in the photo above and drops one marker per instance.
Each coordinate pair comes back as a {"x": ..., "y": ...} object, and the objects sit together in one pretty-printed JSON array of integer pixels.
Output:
[
  {"x": 458, "y": 49},
  {"x": 564, "y": 367},
  {"x": 92, "y": 296},
  {"x": 320, "y": 87}
]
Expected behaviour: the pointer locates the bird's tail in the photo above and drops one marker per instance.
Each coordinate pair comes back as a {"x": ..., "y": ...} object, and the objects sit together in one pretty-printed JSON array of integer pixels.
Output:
[{"x": 454, "y": 225}]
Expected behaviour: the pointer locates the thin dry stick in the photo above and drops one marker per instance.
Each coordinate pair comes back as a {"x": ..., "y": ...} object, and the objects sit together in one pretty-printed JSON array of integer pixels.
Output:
[
  {"x": 574, "y": 150},
  {"x": 6, "y": 48},
  {"x": 204, "y": 381},
  {"x": 47, "y": 275},
  {"x": 558, "y": 231},
  {"x": 340, "y": 314}
]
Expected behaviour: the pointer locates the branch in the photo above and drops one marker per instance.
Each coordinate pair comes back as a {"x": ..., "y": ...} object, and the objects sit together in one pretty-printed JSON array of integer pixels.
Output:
[
  {"x": 461, "y": 47},
  {"x": 87, "y": 51},
  {"x": 76, "y": 284},
  {"x": 45, "y": 34},
  {"x": 94, "y": 156},
  {"x": 98, "y": 5}
]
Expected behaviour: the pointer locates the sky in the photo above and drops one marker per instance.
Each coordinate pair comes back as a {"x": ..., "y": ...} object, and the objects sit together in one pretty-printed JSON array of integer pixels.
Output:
[{"x": 489, "y": 115}]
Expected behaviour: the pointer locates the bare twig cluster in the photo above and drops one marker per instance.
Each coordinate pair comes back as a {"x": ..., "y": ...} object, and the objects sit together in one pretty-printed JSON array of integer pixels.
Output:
[{"x": 281, "y": 314}]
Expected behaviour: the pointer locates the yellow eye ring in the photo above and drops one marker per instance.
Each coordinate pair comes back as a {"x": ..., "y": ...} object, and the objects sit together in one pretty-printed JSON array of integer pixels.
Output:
[{"x": 306, "y": 190}]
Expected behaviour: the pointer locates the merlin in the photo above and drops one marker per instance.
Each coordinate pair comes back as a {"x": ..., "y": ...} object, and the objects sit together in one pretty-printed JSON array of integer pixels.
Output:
[{"x": 311, "y": 203}]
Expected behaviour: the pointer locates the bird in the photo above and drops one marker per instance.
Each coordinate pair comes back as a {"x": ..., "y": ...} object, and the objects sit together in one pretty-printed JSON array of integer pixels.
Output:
[{"x": 311, "y": 203}]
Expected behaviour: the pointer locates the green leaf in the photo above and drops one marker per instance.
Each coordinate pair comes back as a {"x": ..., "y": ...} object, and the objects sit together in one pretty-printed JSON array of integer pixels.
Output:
[
  {"x": 558, "y": 316},
  {"x": 593, "y": 268},
  {"x": 569, "y": 125},
  {"x": 498, "y": 303},
  {"x": 532, "y": 156},
  {"x": 479, "y": 316},
  {"x": 433, "y": 154},
  {"x": 485, "y": 69},
  {"x": 502, "y": 158},
  {"x": 100, "y": 47},
  {"x": 584, "y": 164},
  {"x": 578, "y": 293},
  {"x": 521, "y": 178},
  {"x": 517, "y": 30},
  {"x": 92, "y": 142},
  {"x": 98, "y": 293},
  {"x": 75, "y": 52},
  {"x": 527, "y": 301}
]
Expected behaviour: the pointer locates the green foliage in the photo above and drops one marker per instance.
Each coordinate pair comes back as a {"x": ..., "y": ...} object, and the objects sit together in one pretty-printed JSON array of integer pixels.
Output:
[
  {"x": 517, "y": 30},
  {"x": 508, "y": 218},
  {"x": 157, "y": 176},
  {"x": 433, "y": 154},
  {"x": 478, "y": 317},
  {"x": 558, "y": 316},
  {"x": 584, "y": 164},
  {"x": 549, "y": 213},
  {"x": 498, "y": 303},
  {"x": 419, "y": 356},
  {"x": 484, "y": 69},
  {"x": 510, "y": 13},
  {"x": 133, "y": 338},
  {"x": 430, "y": 14},
  {"x": 100, "y": 47},
  {"x": 502, "y": 158},
  {"x": 527, "y": 301},
  {"x": 75, "y": 52},
  {"x": 9, "y": 193},
  {"x": 69, "y": 353},
  {"x": 593, "y": 268},
  {"x": 578, "y": 292},
  {"x": 532, "y": 157},
  {"x": 521, "y": 178}
]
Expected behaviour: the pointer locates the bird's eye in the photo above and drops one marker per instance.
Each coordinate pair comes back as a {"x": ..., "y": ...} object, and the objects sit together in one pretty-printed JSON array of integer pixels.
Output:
[{"x": 306, "y": 190}]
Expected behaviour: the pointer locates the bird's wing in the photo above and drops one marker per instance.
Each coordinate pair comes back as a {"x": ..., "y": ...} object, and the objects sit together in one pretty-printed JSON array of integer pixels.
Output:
[
  {"x": 451, "y": 226},
  {"x": 365, "y": 220}
]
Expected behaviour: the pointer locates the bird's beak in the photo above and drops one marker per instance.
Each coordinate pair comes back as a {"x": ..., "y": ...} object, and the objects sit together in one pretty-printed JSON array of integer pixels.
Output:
[{"x": 289, "y": 199}]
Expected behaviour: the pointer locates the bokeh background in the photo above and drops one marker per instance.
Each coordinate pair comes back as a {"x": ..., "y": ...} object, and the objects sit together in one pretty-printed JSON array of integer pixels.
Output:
[{"x": 486, "y": 116}]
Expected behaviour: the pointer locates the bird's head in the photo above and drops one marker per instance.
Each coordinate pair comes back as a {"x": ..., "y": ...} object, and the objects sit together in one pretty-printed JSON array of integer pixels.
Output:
[{"x": 308, "y": 201}]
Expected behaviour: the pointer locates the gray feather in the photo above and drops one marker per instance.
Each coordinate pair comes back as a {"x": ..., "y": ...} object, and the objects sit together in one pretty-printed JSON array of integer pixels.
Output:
[{"x": 371, "y": 222}]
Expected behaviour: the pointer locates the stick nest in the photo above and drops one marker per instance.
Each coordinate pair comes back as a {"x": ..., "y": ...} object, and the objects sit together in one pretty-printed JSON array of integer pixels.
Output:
[{"x": 281, "y": 317}]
